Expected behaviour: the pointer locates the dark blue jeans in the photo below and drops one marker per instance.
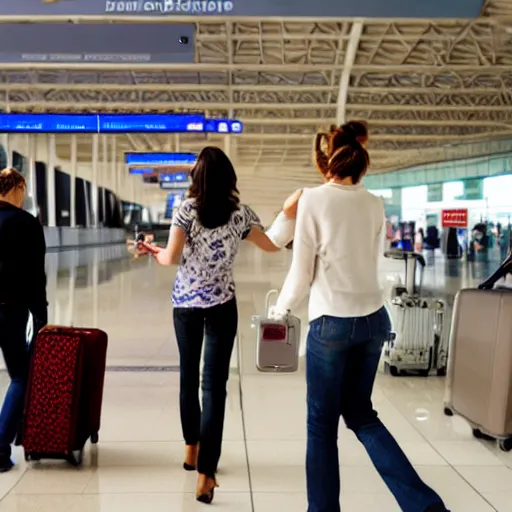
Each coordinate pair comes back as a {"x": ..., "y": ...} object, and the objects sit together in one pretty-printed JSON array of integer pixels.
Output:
[
  {"x": 13, "y": 342},
  {"x": 217, "y": 326},
  {"x": 342, "y": 360}
]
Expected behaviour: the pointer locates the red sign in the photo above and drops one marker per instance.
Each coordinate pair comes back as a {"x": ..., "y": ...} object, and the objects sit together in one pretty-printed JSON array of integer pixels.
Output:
[{"x": 455, "y": 218}]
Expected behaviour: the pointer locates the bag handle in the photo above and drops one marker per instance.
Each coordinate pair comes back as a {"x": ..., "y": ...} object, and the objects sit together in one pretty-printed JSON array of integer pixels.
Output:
[
  {"x": 268, "y": 299},
  {"x": 504, "y": 269}
]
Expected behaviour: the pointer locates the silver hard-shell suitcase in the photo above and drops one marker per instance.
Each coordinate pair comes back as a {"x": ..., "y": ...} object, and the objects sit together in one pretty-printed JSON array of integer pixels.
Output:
[
  {"x": 417, "y": 343},
  {"x": 277, "y": 341}
]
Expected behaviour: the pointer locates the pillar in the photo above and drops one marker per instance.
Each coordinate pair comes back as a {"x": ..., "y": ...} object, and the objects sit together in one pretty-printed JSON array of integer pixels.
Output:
[
  {"x": 50, "y": 182},
  {"x": 72, "y": 181},
  {"x": 31, "y": 144},
  {"x": 94, "y": 182}
]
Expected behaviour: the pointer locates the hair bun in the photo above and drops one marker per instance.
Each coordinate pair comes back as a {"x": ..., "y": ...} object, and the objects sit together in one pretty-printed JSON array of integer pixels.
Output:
[{"x": 355, "y": 131}]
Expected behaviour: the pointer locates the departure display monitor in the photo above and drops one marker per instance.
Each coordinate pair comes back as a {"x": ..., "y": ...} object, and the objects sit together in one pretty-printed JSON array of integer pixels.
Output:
[
  {"x": 156, "y": 160},
  {"x": 116, "y": 123}
]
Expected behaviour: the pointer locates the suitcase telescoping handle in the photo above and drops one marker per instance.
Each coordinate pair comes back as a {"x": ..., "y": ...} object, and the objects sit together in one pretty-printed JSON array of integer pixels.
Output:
[{"x": 504, "y": 269}]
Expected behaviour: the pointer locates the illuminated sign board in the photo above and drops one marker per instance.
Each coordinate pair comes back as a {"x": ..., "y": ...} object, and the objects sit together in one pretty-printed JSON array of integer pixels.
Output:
[
  {"x": 160, "y": 159},
  {"x": 116, "y": 123}
]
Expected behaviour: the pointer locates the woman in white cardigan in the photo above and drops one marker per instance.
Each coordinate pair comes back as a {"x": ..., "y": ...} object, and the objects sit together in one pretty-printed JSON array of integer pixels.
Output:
[{"x": 338, "y": 242}]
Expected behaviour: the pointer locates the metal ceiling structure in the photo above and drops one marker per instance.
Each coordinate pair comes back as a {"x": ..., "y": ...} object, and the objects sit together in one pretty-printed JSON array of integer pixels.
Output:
[{"x": 427, "y": 88}]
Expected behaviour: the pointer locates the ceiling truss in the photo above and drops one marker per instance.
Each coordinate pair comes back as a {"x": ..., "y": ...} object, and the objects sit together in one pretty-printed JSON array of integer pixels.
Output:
[{"x": 429, "y": 90}]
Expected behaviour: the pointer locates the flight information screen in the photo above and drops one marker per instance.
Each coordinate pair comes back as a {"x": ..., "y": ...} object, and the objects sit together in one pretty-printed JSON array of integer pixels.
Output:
[
  {"x": 141, "y": 170},
  {"x": 157, "y": 123},
  {"x": 160, "y": 159},
  {"x": 48, "y": 123},
  {"x": 116, "y": 123}
]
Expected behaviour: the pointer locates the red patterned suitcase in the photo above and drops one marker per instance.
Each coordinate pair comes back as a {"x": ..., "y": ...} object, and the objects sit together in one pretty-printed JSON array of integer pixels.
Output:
[{"x": 65, "y": 393}]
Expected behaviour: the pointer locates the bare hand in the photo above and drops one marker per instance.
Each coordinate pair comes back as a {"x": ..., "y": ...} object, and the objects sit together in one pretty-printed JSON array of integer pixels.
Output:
[{"x": 291, "y": 204}]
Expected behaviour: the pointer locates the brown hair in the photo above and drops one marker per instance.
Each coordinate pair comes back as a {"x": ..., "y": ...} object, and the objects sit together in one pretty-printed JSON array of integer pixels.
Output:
[
  {"x": 214, "y": 187},
  {"x": 11, "y": 179},
  {"x": 340, "y": 153}
]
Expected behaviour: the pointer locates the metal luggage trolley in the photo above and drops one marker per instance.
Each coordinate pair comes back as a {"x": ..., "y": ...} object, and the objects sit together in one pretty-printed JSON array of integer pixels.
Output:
[{"x": 417, "y": 343}]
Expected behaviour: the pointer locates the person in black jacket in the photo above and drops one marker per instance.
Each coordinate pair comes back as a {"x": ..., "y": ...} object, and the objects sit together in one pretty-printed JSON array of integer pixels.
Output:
[{"x": 22, "y": 291}]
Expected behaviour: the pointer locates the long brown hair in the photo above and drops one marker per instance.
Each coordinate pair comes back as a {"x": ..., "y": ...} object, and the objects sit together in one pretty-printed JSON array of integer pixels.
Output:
[
  {"x": 340, "y": 153},
  {"x": 214, "y": 187}
]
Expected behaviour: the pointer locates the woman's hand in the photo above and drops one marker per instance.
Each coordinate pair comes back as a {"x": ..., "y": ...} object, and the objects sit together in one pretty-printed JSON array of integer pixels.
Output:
[{"x": 291, "y": 204}]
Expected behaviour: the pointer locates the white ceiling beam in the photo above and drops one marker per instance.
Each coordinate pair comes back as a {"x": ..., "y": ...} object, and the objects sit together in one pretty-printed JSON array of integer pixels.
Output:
[
  {"x": 259, "y": 88},
  {"x": 350, "y": 57},
  {"x": 313, "y": 121},
  {"x": 297, "y": 67},
  {"x": 212, "y": 20},
  {"x": 202, "y": 106}
]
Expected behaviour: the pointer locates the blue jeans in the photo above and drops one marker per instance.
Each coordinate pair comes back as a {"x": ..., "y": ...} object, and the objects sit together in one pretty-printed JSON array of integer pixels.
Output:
[
  {"x": 342, "y": 360},
  {"x": 13, "y": 342},
  {"x": 218, "y": 326}
]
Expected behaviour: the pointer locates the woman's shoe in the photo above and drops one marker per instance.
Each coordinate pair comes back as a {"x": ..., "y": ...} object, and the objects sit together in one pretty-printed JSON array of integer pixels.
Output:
[
  {"x": 207, "y": 496},
  {"x": 191, "y": 452}
]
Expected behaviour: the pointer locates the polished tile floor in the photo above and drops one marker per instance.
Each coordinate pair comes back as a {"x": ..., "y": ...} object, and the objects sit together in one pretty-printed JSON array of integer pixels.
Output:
[{"x": 137, "y": 464}]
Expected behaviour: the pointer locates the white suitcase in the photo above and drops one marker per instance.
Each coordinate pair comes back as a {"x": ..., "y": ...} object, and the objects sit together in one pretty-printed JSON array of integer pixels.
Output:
[
  {"x": 278, "y": 341},
  {"x": 418, "y": 344}
]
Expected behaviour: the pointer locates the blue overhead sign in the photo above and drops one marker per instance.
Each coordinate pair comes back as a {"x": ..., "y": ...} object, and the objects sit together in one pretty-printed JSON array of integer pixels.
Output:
[
  {"x": 48, "y": 123},
  {"x": 257, "y": 8},
  {"x": 154, "y": 160},
  {"x": 141, "y": 170},
  {"x": 151, "y": 123},
  {"x": 112, "y": 43},
  {"x": 115, "y": 123},
  {"x": 175, "y": 177}
]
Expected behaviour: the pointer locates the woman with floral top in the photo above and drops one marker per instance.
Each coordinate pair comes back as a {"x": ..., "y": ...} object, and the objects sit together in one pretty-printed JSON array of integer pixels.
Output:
[{"x": 204, "y": 239}]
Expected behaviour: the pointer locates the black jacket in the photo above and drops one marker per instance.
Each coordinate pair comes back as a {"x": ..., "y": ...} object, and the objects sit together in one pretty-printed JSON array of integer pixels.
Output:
[{"x": 22, "y": 257}]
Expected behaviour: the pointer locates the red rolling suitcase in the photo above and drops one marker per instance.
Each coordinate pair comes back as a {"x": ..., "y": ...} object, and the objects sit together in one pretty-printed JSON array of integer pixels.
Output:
[{"x": 65, "y": 393}]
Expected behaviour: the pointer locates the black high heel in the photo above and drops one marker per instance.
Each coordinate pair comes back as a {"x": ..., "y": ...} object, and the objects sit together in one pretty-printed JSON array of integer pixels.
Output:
[
  {"x": 188, "y": 467},
  {"x": 207, "y": 497}
]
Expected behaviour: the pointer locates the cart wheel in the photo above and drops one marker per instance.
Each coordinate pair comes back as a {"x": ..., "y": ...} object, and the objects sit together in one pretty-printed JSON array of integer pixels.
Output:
[
  {"x": 441, "y": 372},
  {"x": 506, "y": 444},
  {"x": 448, "y": 411},
  {"x": 478, "y": 434},
  {"x": 76, "y": 458},
  {"x": 394, "y": 371},
  {"x": 95, "y": 438}
]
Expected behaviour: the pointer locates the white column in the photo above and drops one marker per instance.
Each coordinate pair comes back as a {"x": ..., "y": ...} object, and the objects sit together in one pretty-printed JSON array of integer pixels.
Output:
[
  {"x": 105, "y": 172},
  {"x": 50, "y": 183},
  {"x": 227, "y": 145},
  {"x": 31, "y": 143},
  {"x": 72, "y": 181},
  {"x": 94, "y": 181},
  {"x": 113, "y": 164},
  {"x": 6, "y": 145},
  {"x": 118, "y": 184}
]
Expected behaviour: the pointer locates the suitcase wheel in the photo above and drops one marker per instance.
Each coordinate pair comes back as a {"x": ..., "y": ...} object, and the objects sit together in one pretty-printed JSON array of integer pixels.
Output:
[
  {"x": 441, "y": 372},
  {"x": 478, "y": 434},
  {"x": 392, "y": 370},
  {"x": 506, "y": 444},
  {"x": 95, "y": 438},
  {"x": 32, "y": 458},
  {"x": 76, "y": 458},
  {"x": 448, "y": 411}
]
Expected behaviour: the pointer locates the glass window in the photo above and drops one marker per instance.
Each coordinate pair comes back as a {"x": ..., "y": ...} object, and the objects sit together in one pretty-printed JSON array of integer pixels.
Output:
[{"x": 453, "y": 190}]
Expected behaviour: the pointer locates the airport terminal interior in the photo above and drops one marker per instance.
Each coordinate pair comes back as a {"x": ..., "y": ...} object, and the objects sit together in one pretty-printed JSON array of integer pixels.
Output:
[{"x": 105, "y": 105}]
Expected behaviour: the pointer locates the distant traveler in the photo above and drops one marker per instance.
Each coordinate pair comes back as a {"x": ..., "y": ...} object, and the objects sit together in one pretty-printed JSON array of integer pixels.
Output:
[
  {"x": 338, "y": 242},
  {"x": 204, "y": 239},
  {"x": 22, "y": 291}
]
